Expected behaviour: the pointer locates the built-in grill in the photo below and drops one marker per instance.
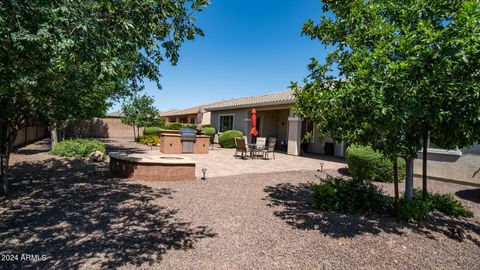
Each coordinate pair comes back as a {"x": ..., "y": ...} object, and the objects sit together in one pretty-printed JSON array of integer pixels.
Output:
[{"x": 188, "y": 136}]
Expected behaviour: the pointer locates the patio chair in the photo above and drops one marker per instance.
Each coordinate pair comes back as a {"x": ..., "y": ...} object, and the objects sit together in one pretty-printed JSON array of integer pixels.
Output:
[
  {"x": 240, "y": 147},
  {"x": 272, "y": 141},
  {"x": 260, "y": 145}
]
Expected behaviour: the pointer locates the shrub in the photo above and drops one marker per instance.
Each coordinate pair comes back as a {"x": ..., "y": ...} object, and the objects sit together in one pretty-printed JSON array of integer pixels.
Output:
[
  {"x": 227, "y": 138},
  {"x": 355, "y": 196},
  {"x": 152, "y": 131},
  {"x": 448, "y": 205},
  {"x": 365, "y": 163},
  {"x": 207, "y": 125},
  {"x": 209, "y": 131},
  {"x": 352, "y": 196},
  {"x": 419, "y": 210},
  {"x": 79, "y": 148},
  {"x": 152, "y": 139}
]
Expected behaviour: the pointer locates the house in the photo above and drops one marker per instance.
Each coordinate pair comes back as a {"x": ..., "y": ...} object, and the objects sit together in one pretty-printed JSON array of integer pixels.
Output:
[
  {"x": 275, "y": 118},
  {"x": 193, "y": 115}
]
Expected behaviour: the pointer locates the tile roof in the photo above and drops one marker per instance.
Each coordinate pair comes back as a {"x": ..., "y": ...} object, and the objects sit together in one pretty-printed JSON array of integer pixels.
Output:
[
  {"x": 276, "y": 98},
  {"x": 192, "y": 110},
  {"x": 114, "y": 114}
]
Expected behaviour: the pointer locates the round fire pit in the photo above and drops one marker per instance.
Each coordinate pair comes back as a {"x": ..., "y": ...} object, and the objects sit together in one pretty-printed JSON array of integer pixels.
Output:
[{"x": 152, "y": 167}]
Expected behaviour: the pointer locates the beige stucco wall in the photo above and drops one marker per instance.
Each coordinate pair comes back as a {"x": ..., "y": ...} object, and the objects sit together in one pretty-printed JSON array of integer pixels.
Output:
[{"x": 464, "y": 167}]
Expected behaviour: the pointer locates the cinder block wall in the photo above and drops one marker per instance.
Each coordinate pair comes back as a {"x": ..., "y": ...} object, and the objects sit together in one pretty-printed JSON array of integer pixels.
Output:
[
  {"x": 28, "y": 135},
  {"x": 108, "y": 127}
]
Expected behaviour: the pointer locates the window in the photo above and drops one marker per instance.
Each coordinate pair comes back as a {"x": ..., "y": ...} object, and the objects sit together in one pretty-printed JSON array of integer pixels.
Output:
[
  {"x": 434, "y": 148},
  {"x": 225, "y": 122}
]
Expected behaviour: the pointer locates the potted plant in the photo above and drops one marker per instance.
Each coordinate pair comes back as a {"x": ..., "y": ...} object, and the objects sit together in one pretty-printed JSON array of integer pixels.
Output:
[{"x": 307, "y": 139}]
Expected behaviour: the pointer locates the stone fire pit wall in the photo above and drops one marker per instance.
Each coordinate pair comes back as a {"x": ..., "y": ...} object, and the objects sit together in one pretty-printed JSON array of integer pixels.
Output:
[
  {"x": 152, "y": 169},
  {"x": 172, "y": 144}
]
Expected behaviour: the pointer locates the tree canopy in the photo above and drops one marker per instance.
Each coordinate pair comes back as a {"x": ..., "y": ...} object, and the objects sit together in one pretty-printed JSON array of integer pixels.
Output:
[
  {"x": 139, "y": 111},
  {"x": 407, "y": 67},
  {"x": 65, "y": 60}
]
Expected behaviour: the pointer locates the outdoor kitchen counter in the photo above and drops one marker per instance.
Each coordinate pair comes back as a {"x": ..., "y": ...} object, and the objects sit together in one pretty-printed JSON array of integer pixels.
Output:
[{"x": 172, "y": 144}]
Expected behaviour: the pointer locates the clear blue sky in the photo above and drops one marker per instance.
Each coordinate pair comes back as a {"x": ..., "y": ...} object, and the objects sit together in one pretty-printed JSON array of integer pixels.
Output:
[{"x": 250, "y": 47}]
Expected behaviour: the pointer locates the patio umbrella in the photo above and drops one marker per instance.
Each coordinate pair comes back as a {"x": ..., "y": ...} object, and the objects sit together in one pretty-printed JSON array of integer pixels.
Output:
[{"x": 254, "y": 131}]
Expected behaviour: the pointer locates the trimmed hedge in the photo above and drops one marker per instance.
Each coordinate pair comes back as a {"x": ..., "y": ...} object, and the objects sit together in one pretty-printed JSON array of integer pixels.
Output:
[
  {"x": 149, "y": 131},
  {"x": 79, "y": 148},
  {"x": 365, "y": 163},
  {"x": 174, "y": 126},
  {"x": 227, "y": 138},
  {"x": 209, "y": 131}
]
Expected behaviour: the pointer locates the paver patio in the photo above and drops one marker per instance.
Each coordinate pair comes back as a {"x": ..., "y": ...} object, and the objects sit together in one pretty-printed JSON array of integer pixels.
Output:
[{"x": 222, "y": 162}]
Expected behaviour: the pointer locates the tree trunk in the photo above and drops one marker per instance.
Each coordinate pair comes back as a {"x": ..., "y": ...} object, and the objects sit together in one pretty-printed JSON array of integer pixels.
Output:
[
  {"x": 138, "y": 132},
  {"x": 54, "y": 134},
  {"x": 409, "y": 178},
  {"x": 395, "y": 185},
  {"x": 134, "y": 136},
  {"x": 7, "y": 139},
  {"x": 4, "y": 172},
  {"x": 424, "y": 165}
]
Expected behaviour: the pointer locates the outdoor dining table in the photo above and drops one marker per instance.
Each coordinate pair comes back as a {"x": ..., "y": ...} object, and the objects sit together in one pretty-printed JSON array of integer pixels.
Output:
[{"x": 253, "y": 147}]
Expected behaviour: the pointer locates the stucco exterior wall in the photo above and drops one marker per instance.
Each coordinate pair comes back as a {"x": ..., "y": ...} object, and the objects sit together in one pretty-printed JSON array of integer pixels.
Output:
[
  {"x": 464, "y": 167},
  {"x": 239, "y": 117}
]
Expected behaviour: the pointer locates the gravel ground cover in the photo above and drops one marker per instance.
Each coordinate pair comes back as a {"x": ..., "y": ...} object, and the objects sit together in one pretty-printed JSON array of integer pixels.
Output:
[{"x": 251, "y": 221}]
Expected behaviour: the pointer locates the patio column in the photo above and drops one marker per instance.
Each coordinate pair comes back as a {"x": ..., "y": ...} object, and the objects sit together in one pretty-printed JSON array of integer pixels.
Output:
[
  {"x": 294, "y": 135},
  {"x": 188, "y": 119},
  {"x": 177, "y": 120}
]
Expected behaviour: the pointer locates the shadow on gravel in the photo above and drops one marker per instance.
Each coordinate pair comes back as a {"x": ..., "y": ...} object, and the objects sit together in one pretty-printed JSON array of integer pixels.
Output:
[
  {"x": 75, "y": 218},
  {"x": 472, "y": 195},
  {"x": 296, "y": 210}
]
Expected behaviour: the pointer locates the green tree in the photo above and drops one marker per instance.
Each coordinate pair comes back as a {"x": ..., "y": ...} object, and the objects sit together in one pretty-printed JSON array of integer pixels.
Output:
[
  {"x": 412, "y": 70},
  {"x": 64, "y": 60},
  {"x": 139, "y": 111}
]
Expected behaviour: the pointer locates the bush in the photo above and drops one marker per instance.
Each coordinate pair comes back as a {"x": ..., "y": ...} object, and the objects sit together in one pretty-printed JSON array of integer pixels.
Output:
[
  {"x": 419, "y": 210},
  {"x": 152, "y": 131},
  {"x": 355, "y": 196},
  {"x": 227, "y": 138},
  {"x": 352, "y": 196},
  {"x": 365, "y": 163},
  {"x": 152, "y": 139},
  {"x": 209, "y": 131},
  {"x": 79, "y": 148},
  {"x": 207, "y": 125},
  {"x": 448, "y": 205}
]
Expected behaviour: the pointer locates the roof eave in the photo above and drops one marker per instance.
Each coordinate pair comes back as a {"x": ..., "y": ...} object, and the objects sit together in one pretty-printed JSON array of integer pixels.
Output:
[{"x": 266, "y": 104}]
